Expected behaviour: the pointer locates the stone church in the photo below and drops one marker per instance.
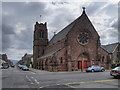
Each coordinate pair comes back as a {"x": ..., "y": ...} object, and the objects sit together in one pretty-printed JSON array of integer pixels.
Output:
[{"x": 75, "y": 47}]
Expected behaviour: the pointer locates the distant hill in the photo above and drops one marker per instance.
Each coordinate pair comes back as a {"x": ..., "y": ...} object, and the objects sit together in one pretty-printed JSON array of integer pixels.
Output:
[{"x": 14, "y": 61}]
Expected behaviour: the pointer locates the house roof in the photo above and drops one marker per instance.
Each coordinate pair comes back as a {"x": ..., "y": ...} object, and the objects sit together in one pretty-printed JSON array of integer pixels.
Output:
[
  {"x": 62, "y": 34},
  {"x": 110, "y": 47},
  {"x": 28, "y": 55}
]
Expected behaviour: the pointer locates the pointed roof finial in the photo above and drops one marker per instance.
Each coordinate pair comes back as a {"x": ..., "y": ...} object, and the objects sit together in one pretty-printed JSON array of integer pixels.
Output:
[{"x": 83, "y": 9}]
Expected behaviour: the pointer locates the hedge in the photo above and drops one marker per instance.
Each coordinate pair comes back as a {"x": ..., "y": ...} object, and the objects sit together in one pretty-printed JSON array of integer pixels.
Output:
[{"x": 115, "y": 65}]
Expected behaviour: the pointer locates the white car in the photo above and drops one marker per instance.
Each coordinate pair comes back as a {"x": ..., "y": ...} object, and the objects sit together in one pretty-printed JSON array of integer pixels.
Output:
[{"x": 25, "y": 68}]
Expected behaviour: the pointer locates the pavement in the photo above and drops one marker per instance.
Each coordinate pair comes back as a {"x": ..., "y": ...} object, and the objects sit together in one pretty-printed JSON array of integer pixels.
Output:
[{"x": 39, "y": 71}]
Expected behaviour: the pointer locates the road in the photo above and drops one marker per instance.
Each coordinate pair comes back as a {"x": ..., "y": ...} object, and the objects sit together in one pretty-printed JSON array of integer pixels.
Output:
[{"x": 16, "y": 78}]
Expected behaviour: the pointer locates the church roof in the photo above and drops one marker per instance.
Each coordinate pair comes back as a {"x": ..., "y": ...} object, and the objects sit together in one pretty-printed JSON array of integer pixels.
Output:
[
  {"x": 62, "y": 34},
  {"x": 50, "y": 53},
  {"x": 110, "y": 47}
]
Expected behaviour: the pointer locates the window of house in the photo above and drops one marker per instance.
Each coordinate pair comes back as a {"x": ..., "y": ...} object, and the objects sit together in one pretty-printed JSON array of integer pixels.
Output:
[
  {"x": 41, "y": 34},
  {"x": 46, "y": 62},
  {"x": 61, "y": 60},
  {"x": 102, "y": 59},
  {"x": 43, "y": 51},
  {"x": 108, "y": 59},
  {"x": 118, "y": 49}
]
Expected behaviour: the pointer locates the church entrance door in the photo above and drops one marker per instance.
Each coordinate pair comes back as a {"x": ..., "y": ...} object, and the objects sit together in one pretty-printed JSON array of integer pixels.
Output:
[
  {"x": 82, "y": 61},
  {"x": 85, "y": 64},
  {"x": 79, "y": 64}
]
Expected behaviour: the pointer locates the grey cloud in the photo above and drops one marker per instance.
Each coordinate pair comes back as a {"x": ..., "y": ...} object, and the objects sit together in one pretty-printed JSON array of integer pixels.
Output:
[
  {"x": 110, "y": 9},
  {"x": 103, "y": 36},
  {"x": 25, "y": 39},
  {"x": 6, "y": 42},
  {"x": 62, "y": 18},
  {"x": 115, "y": 25},
  {"x": 113, "y": 34},
  {"x": 93, "y": 7},
  {"x": 7, "y": 29},
  {"x": 25, "y": 13},
  {"x": 119, "y": 35},
  {"x": 22, "y": 8}
]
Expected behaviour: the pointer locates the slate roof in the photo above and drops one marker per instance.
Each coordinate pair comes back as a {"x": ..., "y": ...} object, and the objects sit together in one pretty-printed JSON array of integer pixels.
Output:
[
  {"x": 50, "y": 53},
  {"x": 60, "y": 35},
  {"x": 110, "y": 47}
]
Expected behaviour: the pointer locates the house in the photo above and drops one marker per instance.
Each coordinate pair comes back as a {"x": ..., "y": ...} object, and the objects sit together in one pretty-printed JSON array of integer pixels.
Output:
[{"x": 26, "y": 59}]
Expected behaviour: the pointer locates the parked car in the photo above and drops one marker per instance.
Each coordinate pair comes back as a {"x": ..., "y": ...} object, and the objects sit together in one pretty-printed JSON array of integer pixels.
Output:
[
  {"x": 13, "y": 66},
  {"x": 95, "y": 68},
  {"x": 5, "y": 67},
  {"x": 25, "y": 68},
  {"x": 20, "y": 66},
  {"x": 115, "y": 72}
]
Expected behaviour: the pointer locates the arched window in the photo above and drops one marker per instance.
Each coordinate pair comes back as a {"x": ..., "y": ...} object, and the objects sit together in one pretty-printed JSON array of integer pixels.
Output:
[
  {"x": 54, "y": 61},
  {"x": 108, "y": 59},
  {"x": 102, "y": 59},
  {"x": 61, "y": 60},
  {"x": 46, "y": 62},
  {"x": 41, "y": 35}
]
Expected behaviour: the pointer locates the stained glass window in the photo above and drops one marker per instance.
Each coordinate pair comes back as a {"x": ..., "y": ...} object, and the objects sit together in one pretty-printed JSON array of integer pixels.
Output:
[{"x": 83, "y": 38}]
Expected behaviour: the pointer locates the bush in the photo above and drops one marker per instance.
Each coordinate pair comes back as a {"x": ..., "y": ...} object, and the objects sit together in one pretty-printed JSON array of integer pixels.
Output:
[
  {"x": 28, "y": 65},
  {"x": 115, "y": 65}
]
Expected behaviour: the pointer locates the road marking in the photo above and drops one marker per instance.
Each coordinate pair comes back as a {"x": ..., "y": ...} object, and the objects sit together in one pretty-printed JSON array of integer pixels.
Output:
[
  {"x": 32, "y": 77},
  {"x": 70, "y": 86},
  {"x": 29, "y": 80},
  {"x": 104, "y": 80},
  {"x": 33, "y": 72},
  {"x": 85, "y": 82},
  {"x": 36, "y": 81},
  {"x": 44, "y": 86}
]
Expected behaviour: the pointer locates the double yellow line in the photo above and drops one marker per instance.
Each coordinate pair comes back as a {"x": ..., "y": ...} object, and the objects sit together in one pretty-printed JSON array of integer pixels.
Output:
[{"x": 68, "y": 84}]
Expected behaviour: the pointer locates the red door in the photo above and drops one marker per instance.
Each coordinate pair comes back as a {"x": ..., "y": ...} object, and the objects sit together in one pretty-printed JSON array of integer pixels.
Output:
[
  {"x": 79, "y": 64},
  {"x": 85, "y": 64}
]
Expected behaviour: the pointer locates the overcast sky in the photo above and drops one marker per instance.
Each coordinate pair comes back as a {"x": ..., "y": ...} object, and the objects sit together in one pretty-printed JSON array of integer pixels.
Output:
[{"x": 18, "y": 19}]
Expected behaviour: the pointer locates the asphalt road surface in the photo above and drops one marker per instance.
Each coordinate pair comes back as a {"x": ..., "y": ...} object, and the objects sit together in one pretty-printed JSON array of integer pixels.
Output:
[{"x": 16, "y": 78}]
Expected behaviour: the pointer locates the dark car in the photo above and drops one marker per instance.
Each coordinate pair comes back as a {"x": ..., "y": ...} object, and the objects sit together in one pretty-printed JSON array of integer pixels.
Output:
[
  {"x": 95, "y": 68},
  {"x": 115, "y": 72}
]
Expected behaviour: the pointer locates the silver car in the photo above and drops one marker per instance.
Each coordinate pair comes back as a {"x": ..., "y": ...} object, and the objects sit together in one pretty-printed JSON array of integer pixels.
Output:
[
  {"x": 115, "y": 72},
  {"x": 25, "y": 68},
  {"x": 95, "y": 68}
]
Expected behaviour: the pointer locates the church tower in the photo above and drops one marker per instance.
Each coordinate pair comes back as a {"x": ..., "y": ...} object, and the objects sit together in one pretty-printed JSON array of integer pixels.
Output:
[{"x": 40, "y": 41}]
